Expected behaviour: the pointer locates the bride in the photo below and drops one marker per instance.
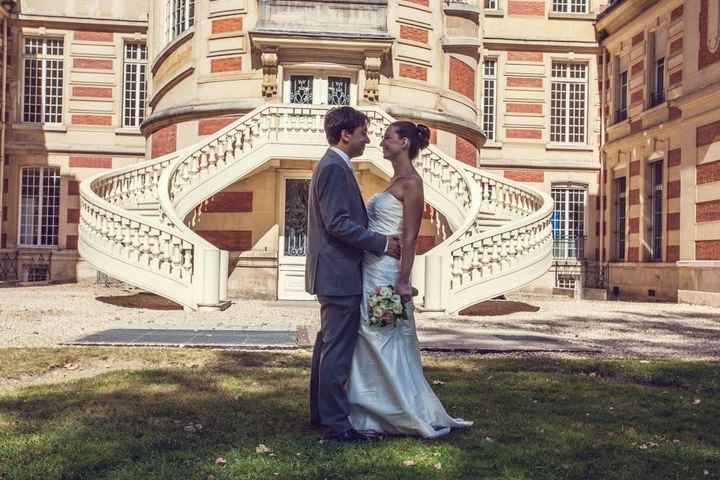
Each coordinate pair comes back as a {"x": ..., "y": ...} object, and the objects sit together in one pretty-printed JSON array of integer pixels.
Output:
[{"x": 387, "y": 390}]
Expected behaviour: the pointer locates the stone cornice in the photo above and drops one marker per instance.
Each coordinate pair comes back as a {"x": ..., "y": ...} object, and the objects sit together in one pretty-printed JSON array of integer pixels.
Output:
[
  {"x": 72, "y": 23},
  {"x": 192, "y": 111},
  {"x": 455, "y": 124}
]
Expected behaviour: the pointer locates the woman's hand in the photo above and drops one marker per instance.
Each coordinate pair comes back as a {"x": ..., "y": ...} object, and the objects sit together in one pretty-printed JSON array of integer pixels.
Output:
[{"x": 404, "y": 289}]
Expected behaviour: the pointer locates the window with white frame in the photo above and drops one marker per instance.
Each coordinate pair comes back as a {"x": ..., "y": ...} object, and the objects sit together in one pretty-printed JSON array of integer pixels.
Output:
[
  {"x": 620, "y": 193},
  {"x": 39, "y": 206},
  {"x": 489, "y": 97},
  {"x": 43, "y": 76},
  {"x": 179, "y": 17},
  {"x": 568, "y": 221},
  {"x": 491, "y": 4},
  {"x": 570, "y": 6},
  {"x": 568, "y": 103},
  {"x": 656, "y": 209},
  {"x": 135, "y": 84},
  {"x": 330, "y": 89}
]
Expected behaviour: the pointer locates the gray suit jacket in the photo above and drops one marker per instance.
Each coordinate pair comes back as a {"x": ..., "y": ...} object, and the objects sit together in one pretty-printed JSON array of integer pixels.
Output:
[{"x": 337, "y": 231}]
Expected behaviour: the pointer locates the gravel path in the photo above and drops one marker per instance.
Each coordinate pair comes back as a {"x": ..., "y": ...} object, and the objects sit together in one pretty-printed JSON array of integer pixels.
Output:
[{"x": 48, "y": 315}]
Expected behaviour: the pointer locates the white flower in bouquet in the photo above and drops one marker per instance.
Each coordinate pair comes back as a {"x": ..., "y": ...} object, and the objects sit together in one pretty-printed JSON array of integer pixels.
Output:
[{"x": 386, "y": 292}]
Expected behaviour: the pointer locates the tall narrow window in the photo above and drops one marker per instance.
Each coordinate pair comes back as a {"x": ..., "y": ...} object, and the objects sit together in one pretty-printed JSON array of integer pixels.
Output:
[
  {"x": 491, "y": 4},
  {"x": 568, "y": 103},
  {"x": 135, "y": 84},
  {"x": 489, "y": 100},
  {"x": 656, "y": 207},
  {"x": 569, "y": 6},
  {"x": 43, "y": 80},
  {"x": 621, "y": 113},
  {"x": 568, "y": 221},
  {"x": 180, "y": 16},
  {"x": 620, "y": 214},
  {"x": 656, "y": 53},
  {"x": 39, "y": 206}
]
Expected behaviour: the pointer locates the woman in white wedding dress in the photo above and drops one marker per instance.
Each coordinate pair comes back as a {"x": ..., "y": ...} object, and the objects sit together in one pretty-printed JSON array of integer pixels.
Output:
[{"x": 387, "y": 390}]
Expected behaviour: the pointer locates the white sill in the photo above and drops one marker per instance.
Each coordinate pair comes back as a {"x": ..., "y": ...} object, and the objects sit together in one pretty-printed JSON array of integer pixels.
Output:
[
  {"x": 495, "y": 12},
  {"x": 492, "y": 144},
  {"x": 127, "y": 131},
  {"x": 571, "y": 16},
  {"x": 569, "y": 146},
  {"x": 38, "y": 126}
]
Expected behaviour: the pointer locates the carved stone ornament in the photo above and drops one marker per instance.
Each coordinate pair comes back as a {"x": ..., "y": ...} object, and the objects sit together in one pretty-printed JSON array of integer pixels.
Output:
[
  {"x": 373, "y": 61},
  {"x": 269, "y": 60}
]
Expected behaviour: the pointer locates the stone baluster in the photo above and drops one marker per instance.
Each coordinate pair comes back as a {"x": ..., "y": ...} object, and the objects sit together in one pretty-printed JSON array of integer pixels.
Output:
[
  {"x": 165, "y": 253},
  {"x": 187, "y": 267},
  {"x": 456, "y": 271},
  {"x": 176, "y": 259},
  {"x": 145, "y": 246},
  {"x": 135, "y": 244}
]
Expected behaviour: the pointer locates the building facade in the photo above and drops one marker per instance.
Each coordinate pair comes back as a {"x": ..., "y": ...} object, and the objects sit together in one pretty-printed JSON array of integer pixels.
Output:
[
  {"x": 510, "y": 86},
  {"x": 660, "y": 182}
]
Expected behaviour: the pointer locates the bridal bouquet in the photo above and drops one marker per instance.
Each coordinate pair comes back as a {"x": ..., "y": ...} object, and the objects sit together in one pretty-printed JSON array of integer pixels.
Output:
[{"x": 385, "y": 307}]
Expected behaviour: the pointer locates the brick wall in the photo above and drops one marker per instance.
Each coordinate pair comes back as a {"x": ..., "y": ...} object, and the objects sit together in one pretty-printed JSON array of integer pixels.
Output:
[
  {"x": 518, "y": 7},
  {"x": 414, "y": 34},
  {"x": 90, "y": 161},
  {"x": 229, "y": 202},
  {"x": 707, "y": 211},
  {"x": 465, "y": 151},
  {"x": 708, "y": 172},
  {"x": 415, "y": 72},
  {"x": 208, "y": 126},
  {"x": 164, "y": 141},
  {"x": 530, "y": 176},
  {"x": 234, "y": 24},
  {"x": 524, "y": 133},
  {"x": 462, "y": 78},
  {"x": 233, "y": 240},
  {"x": 228, "y": 64},
  {"x": 707, "y": 250}
]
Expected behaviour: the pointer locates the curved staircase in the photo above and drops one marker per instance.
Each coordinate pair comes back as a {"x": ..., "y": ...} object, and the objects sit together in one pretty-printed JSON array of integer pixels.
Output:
[{"x": 135, "y": 221}]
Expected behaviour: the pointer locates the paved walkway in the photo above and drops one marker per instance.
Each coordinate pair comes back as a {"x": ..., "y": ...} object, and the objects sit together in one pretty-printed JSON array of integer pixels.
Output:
[{"x": 57, "y": 314}]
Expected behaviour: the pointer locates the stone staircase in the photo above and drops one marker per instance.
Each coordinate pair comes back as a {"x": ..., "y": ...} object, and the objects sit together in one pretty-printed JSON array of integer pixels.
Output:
[{"x": 135, "y": 221}]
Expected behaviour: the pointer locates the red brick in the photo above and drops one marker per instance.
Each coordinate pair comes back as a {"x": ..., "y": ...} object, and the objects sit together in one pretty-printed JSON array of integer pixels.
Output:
[
  {"x": 674, "y": 157},
  {"x": 527, "y": 133},
  {"x": 5, "y": 186},
  {"x": 94, "y": 92},
  {"x": 164, "y": 141},
  {"x": 634, "y": 225},
  {"x": 88, "y": 161},
  {"x": 93, "y": 36},
  {"x": 634, "y": 197},
  {"x": 673, "y": 189},
  {"x": 677, "y": 13},
  {"x": 4, "y": 214},
  {"x": 638, "y": 38},
  {"x": 73, "y": 187},
  {"x": 636, "y": 126},
  {"x": 462, "y": 78},
  {"x": 428, "y": 212},
  {"x": 465, "y": 151},
  {"x": 522, "y": 82},
  {"x": 523, "y": 108},
  {"x": 673, "y": 253},
  {"x": 676, "y": 77},
  {"x": 637, "y": 68},
  {"x": 633, "y": 254},
  {"x": 708, "y": 172},
  {"x": 635, "y": 168},
  {"x": 233, "y": 240},
  {"x": 424, "y": 243},
  {"x": 707, "y": 134},
  {"x": 525, "y": 56},
  {"x": 98, "y": 120},
  {"x": 675, "y": 113},
  {"x": 707, "y": 211},
  {"x": 3, "y": 241},
  {"x": 234, "y": 24},
  {"x": 229, "y": 202},
  {"x": 707, "y": 250},
  {"x": 228, "y": 64},
  {"x": 676, "y": 46},
  {"x": 71, "y": 242},
  {"x": 705, "y": 56},
  {"x": 415, "y": 34},
  {"x": 94, "y": 63},
  {"x": 531, "y": 176},
  {"x": 208, "y": 126},
  {"x": 420, "y": 2},
  {"x": 433, "y": 135},
  {"x": 673, "y": 221},
  {"x": 518, "y": 7},
  {"x": 415, "y": 72},
  {"x": 636, "y": 97},
  {"x": 73, "y": 215}
]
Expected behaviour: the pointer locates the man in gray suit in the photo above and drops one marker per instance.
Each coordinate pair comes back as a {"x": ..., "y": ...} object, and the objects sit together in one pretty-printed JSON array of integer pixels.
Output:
[{"x": 337, "y": 239}]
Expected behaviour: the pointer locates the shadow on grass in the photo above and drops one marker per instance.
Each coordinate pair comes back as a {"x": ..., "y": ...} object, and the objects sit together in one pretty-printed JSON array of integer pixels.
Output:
[
  {"x": 146, "y": 300},
  {"x": 539, "y": 420}
]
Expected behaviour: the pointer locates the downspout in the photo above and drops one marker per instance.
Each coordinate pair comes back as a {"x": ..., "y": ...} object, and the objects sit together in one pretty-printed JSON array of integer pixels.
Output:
[
  {"x": 2, "y": 120},
  {"x": 603, "y": 120}
]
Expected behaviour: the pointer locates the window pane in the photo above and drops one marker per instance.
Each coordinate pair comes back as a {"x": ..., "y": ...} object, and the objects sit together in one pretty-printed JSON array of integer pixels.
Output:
[
  {"x": 39, "y": 206},
  {"x": 568, "y": 103},
  {"x": 301, "y": 89},
  {"x": 489, "y": 100},
  {"x": 135, "y": 84},
  {"x": 338, "y": 91},
  {"x": 568, "y": 221}
]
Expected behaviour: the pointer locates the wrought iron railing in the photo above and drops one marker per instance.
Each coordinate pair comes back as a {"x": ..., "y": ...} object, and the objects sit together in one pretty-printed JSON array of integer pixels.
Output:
[{"x": 8, "y": 266}]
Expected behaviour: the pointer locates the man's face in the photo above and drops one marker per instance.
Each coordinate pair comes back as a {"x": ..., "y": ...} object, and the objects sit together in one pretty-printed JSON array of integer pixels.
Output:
[{"x": 356, "y": 141}]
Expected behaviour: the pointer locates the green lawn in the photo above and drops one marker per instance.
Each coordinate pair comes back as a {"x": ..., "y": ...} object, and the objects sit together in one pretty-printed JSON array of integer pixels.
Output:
[{"x": 535, "y": 418}]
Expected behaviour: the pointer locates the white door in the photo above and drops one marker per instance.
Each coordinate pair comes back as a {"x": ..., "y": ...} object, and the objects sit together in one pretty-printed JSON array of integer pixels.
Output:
[{"x": 293, "y": 236}]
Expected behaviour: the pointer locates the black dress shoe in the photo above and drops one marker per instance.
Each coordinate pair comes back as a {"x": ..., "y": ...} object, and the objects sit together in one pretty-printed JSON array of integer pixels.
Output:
[{"x": 348, "y": 436}]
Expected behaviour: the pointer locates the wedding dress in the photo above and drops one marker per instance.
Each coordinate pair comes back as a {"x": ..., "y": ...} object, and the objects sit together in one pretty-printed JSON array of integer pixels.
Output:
[{"x": 387, "y": 389}]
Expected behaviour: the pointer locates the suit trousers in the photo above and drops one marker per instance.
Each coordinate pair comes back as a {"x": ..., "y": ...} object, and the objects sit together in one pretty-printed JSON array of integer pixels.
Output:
[{"x": 332, "y": 359}]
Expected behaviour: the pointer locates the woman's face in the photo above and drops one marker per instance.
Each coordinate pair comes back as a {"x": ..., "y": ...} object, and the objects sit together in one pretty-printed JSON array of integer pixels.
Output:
[{"x": 393, "y": 145}]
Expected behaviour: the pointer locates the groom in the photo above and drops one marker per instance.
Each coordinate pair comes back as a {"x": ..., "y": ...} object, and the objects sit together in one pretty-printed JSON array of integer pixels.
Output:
[{"x": 337, "y": 239}]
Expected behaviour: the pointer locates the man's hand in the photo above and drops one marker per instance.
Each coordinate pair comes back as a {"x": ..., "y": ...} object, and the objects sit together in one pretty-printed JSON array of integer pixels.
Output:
[
  {"x": 404, "y": 289},
  {"x": 393, "y": 248}
]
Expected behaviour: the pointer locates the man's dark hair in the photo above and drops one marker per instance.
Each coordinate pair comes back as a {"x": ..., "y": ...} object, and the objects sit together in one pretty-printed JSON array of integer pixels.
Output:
[{"x": 342, "y": 118}]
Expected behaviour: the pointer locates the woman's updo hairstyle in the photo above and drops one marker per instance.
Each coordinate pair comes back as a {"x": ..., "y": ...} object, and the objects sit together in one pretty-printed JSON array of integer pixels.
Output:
[{"x": 417, "y": 134}]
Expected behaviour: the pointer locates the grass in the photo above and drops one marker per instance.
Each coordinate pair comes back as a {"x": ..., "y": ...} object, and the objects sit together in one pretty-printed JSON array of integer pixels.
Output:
[{"x": 537, "y": 418}]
